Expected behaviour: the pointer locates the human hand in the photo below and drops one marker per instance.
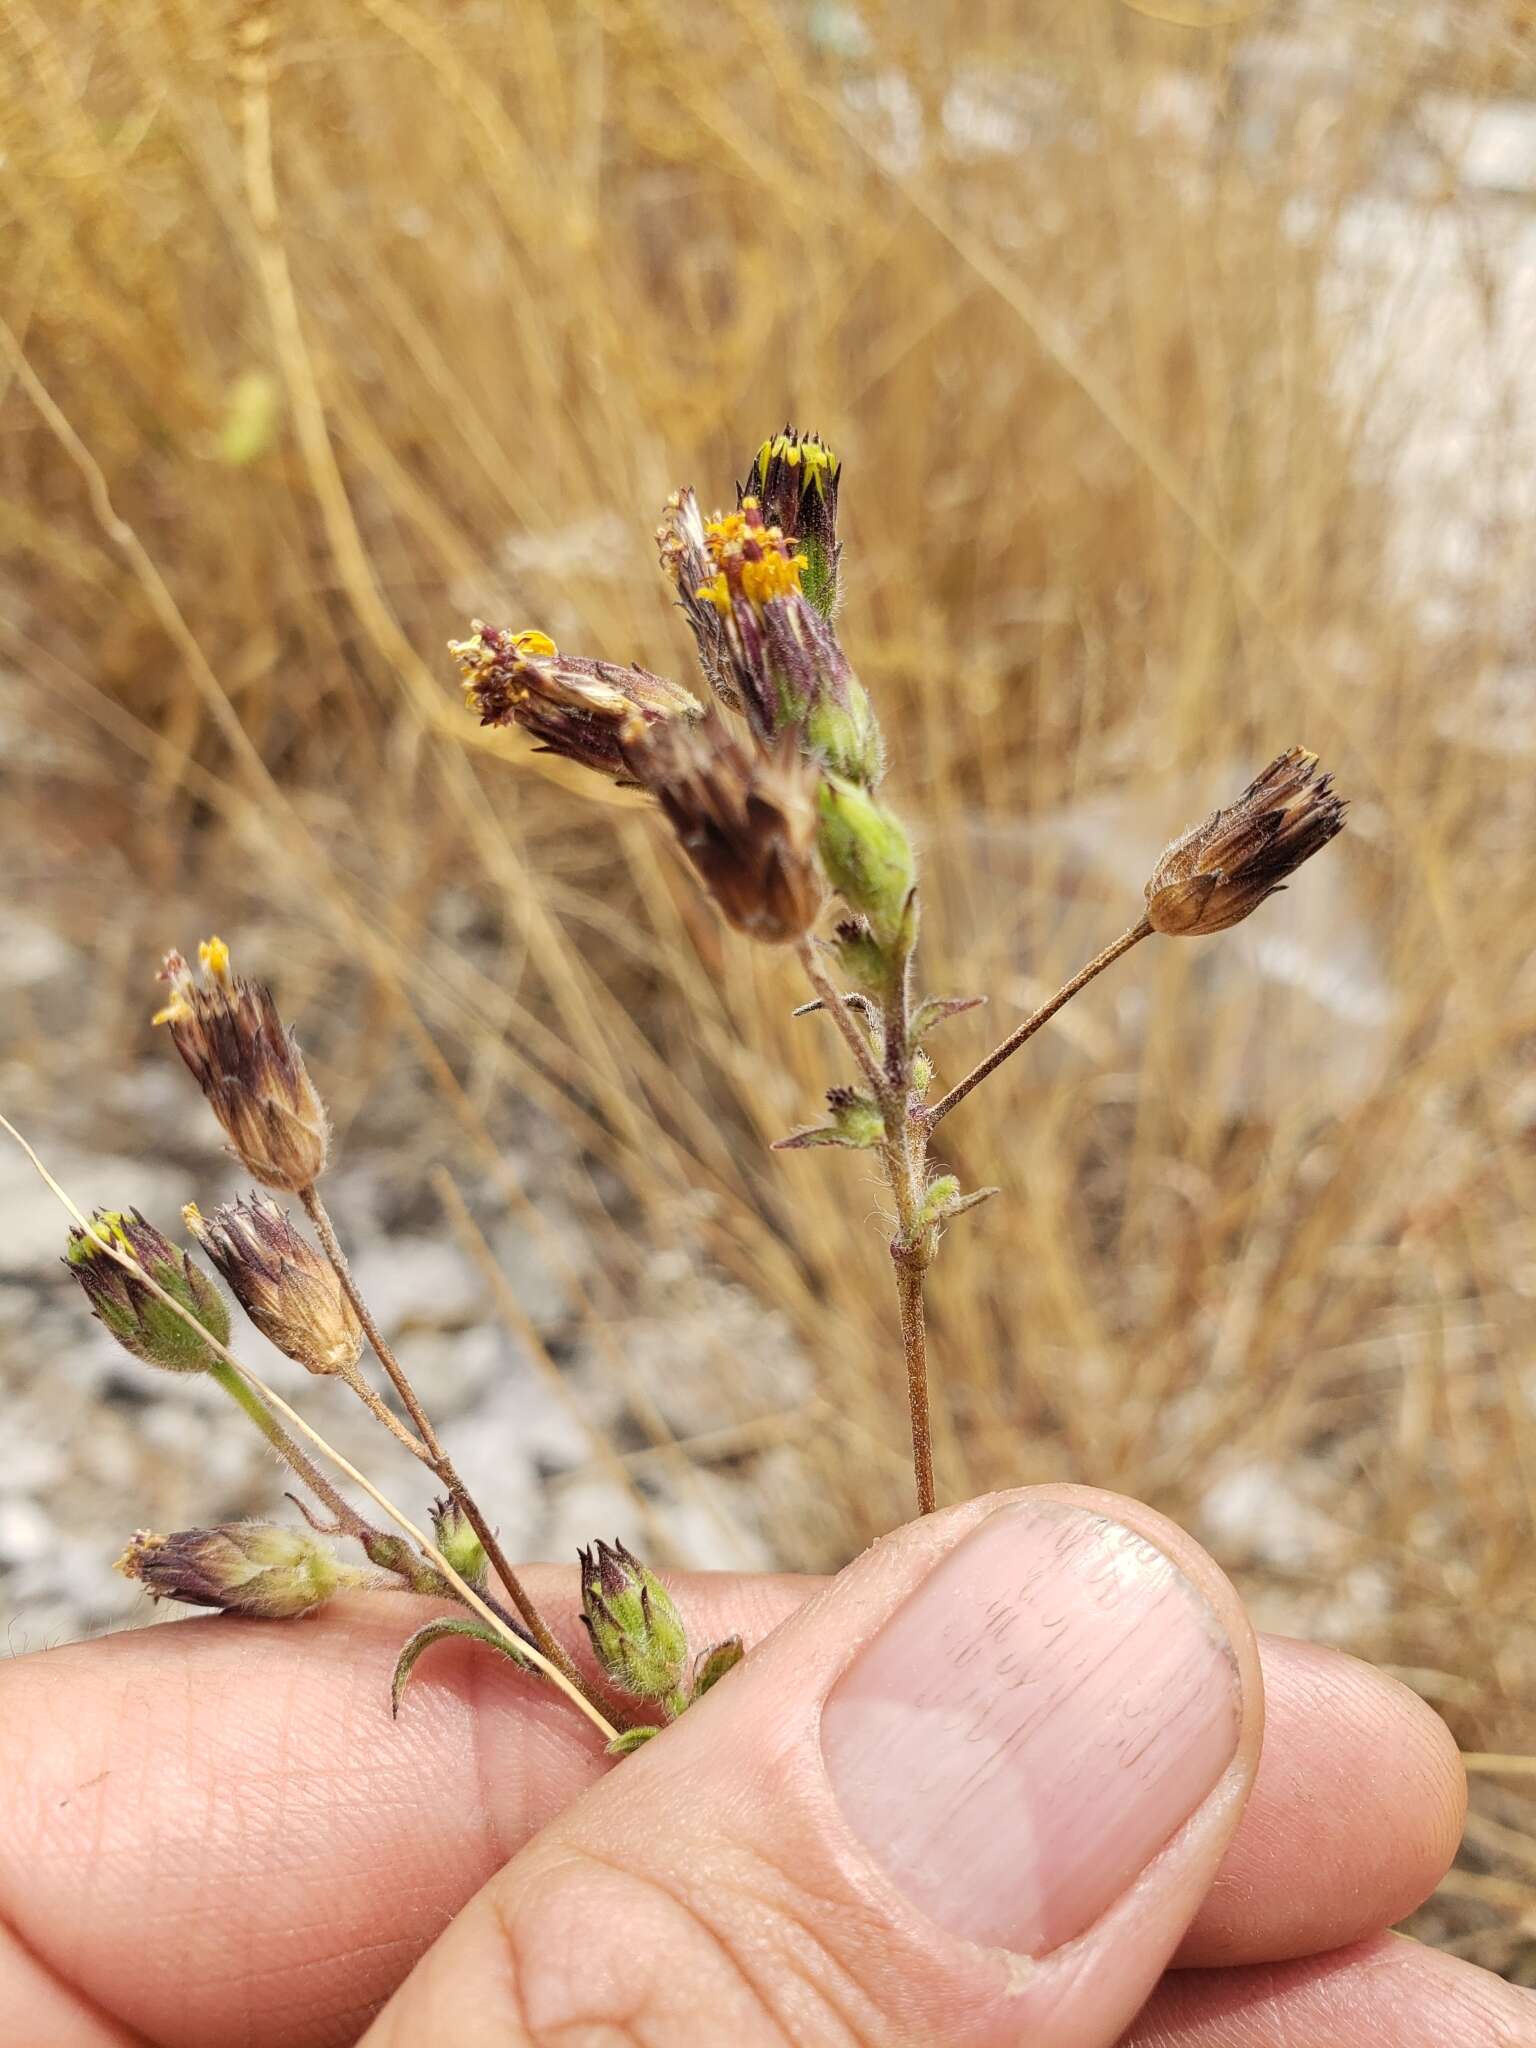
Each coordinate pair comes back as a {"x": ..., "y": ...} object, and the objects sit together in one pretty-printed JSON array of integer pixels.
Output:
[{"x": 999, "y": 1782}]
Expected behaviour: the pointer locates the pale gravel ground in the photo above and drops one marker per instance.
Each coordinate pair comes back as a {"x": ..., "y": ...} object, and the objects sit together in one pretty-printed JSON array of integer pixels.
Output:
[{"x": 97, "y": 1445}]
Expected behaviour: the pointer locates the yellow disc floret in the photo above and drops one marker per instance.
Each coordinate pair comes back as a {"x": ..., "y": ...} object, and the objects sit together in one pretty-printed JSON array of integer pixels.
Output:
[{"x": 749, "y": 559}]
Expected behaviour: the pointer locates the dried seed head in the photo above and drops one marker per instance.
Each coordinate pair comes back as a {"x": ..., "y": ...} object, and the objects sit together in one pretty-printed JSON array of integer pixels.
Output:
[
  {"x": 1222, "y": 870},
  {"x": 245, "y": 1567},
  {"x": 288, "y": 1289},
  {"x": 140, "y": 1321},
  {"x": 572, "y": 706},
  {"x": 684, "y": 556},
  {"x": 746, "y": 820},
  {"x": 250, "y": 1068},
  {"x": 794, "y": 477},
  {"x": 637, "y": 1632}
]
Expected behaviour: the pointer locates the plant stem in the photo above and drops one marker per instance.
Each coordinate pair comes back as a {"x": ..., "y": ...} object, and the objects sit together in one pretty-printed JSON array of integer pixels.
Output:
[
  {"x": 349, "y": 1520},
  {"x": 380, "y": 1410},
  {"x": 437, "y": 1457},
  {"x": 903, "y": 1154},
  {"x": 1032, "y": 1024},
  {"x": 914, "y": 1343},
  {"x": 402, "y": 1521},
  {"x": 832, "y": 1002}
]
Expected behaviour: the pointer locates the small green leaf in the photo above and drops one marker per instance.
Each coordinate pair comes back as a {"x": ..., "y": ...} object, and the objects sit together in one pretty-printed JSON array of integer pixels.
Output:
[
  {"x": 934, "y": 1009},
  {"x": 438, "y": 1631},
  {"x": 630, "y": 1739},
  {"x": 711, "y": 1665},
  {"x": 944, "y": 1201}
]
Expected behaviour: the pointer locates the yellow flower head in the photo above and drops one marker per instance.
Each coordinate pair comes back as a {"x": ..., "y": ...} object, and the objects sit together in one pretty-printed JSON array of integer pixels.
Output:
[{"x": 750, "y": 559}]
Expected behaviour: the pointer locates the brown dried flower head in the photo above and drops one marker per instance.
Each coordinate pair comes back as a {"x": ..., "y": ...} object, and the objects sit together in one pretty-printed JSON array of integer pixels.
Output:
[
  {"x": 255, "y": 1568},
  {"x": 249, "y": 1066},
  {"x": 746, "y": 820},
  {"x": 1219, "y": 872},
  {"x": 289, "y": 1291},
  {"x": 571, "y": 705}
]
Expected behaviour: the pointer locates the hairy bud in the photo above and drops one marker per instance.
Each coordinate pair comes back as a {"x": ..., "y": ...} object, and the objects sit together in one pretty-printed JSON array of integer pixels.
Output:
[
  {"x": 572, "y": 706},
  {"x": 746, "y": 820},
  {"x": 253, "y": 1568},
  {"x": 794, "y": 477},
  {"x": 636, "y": 1631},
  {"x": 250, "y": 1068},
  {"x": 140, "y": 1321},
  {"x": 1221, "y": 871},
  {"x": 454, "y": 1535},
  {"x": 868, "y": 859},
  {"x": 289, "y": 1291}
]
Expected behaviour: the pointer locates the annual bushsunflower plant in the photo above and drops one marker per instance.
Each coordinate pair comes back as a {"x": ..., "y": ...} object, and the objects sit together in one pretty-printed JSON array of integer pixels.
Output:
[
  {"x": 777, "y": 794},
  {"x": 772, "y": 778}
]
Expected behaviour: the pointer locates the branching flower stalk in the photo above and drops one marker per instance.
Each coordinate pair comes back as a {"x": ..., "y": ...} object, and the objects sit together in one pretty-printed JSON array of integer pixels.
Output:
[
  {"x": 775, "y": 794},
  {"x": 777, "y": 802}
]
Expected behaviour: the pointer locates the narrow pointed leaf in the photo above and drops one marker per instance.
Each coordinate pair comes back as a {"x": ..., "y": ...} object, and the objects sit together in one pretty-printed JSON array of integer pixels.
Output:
[
  {"x": 936, "y": 1008},
  {"x": 821, "y": 1134},
  {"x": 438, "y": 1631},
  {"x": 711, "y": 1665},
  {"x": 630, "y": 1739}
]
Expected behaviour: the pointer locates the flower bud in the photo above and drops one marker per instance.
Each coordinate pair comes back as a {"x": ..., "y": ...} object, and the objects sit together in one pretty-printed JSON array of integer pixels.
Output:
[
  {"x": 288, "y": 1289},
  {"x": 140, "y": 1321},
  {"x": 794, "y": 477},
  {"x": 857, "y": 1124},
  {"x": 746, "y": 820},
  {"x": 573, "y": 706},
  {"x": 636, "y": 1631},
  {"x": 254, "y": 1568},
  {"x": 455, "y": 1537},
  {"x": 1221, "y": 871},
  {"x": 868, "y": 860},
  {"x": 250, "y": 1068}
]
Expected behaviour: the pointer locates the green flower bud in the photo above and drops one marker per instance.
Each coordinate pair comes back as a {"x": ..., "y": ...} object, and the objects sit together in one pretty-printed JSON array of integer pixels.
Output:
[
  {"x": 795, "y": 477},
  {"x": 868, "y": 858},
  {"x": 140, "y": 1321},
  {"x": 845, "y": 737},
  {"x": 455, "y": 1537},
  {"x": 637, "y": 1632},
  {"x": 857, "y": 1124},
  {"x": 862, "y": 962},
  {"x": 253, "y": 1568}
]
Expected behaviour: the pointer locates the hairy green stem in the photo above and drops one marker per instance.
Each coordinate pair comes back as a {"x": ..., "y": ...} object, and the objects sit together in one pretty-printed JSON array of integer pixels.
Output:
[{"x": 349, "y": 1521}]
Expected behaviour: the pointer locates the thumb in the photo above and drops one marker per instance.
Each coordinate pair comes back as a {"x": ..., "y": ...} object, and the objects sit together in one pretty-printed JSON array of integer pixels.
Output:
[{"x": 973, "y": 1792}]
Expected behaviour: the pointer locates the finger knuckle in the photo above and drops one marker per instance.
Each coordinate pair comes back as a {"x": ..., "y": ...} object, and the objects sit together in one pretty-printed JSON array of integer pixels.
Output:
[{"x": 605, "y": 1956}]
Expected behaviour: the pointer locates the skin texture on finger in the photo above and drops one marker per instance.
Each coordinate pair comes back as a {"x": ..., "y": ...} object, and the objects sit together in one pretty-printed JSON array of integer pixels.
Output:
[
  {"x": 214, "y": 1833},
  {"x": 1385, "y": 1993},
  {"x": 86, "y": 1860},
  {"x": 1356, "y": 1814},
  {"x": 477, "y": 1760},
  {"x": 867, "y": 1834},
  {"x": 36, "y": 2009}
]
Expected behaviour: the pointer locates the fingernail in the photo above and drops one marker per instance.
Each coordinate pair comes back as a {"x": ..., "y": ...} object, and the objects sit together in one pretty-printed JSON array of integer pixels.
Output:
[{"x": 1041, "y": 1716}]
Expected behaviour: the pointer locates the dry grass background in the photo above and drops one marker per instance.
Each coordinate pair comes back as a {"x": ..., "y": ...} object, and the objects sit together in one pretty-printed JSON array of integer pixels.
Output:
[{"x": 316, "y": 345}]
